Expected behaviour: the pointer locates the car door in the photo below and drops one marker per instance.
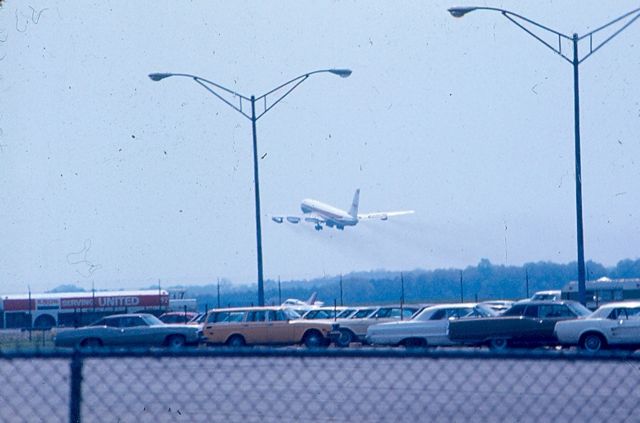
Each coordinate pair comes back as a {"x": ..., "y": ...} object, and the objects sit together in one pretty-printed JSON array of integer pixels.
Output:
[
  {"x": 435, "y": 329},
  {"x": 134, "y": 331},
  {"x": 254, "y": 328},
  {"x": 627, "y": 329},
  {"x": 108, "y": 333},
  {"x": 549, "y": 315},
  {"x": 279, "y": 330},
  {"x": 220, "y": 325}
]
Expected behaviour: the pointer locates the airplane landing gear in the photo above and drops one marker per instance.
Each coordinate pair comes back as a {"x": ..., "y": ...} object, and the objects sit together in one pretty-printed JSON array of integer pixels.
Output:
[{"x": 318, "y": 227}]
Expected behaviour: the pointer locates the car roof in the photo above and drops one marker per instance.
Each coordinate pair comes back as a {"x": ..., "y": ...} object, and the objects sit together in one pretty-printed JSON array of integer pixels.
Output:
[
  {"x": 250, "y": 308},
  {"x": 543, "y": 302},
  {"x": 450, "y": 305},
  {"x": 623, "y": 304},
  {"x": 113, "y": 316}
]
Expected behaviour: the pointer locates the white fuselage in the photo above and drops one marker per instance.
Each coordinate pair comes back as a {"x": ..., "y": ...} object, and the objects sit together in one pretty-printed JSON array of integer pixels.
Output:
[{"x": 332, "y": 215}]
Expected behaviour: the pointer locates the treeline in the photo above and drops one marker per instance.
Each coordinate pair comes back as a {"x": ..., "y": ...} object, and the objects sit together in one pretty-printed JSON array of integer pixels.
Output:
[{"x": 482, "y": 282}]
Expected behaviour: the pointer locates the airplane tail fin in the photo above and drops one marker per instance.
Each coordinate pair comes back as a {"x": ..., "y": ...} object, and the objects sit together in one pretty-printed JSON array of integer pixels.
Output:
[
  {"x": 312, "y": 298},
  {"x": 353, "y": 211}
]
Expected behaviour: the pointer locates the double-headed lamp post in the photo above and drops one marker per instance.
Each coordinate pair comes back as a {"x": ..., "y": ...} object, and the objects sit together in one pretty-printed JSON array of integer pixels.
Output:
[
  {"x": 268, "y": 101},
  {"x": 522, "y": 23}
]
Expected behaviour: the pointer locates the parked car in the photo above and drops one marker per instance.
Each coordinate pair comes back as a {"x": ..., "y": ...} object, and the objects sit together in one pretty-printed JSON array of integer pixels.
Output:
[
  {"x": 323, "y": 313},
  {"x": 529, "y": 324},
  {"x": 237, "y": 327},
  {"x": 178, "y": 317},
  {"x": 614, "y": 325},
  {"x": 428, "y": 328},
  {"x": 124, "y": 330},
  {"x": 354, "y": 328},
  {"x": 549, "y": 295},
  {"x": 499, "y": 306}
]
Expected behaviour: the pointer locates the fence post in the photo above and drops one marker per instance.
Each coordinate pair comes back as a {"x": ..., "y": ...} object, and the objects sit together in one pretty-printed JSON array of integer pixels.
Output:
[{"x": 75, "y": 400}]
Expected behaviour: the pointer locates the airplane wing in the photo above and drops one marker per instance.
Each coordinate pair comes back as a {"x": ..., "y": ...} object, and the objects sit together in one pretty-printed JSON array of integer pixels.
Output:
[
  {"x": 383, "y": 215},
  {"x": 308, "y": 218}
]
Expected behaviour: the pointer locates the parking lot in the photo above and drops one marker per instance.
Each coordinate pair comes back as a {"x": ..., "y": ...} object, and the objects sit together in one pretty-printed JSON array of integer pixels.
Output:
[{"x": 330, "y": 385}]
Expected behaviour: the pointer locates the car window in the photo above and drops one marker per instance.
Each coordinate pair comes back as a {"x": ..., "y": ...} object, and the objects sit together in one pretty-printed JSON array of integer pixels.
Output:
[
  {"x": 361, "y": 314},
  {"x": 549, "y": 311},
  {"x": 101, "y": 322},
  {"x": 408, "y": 312},
  {"x": 439, "y": 315},
  {"x": 256, "y": 316},
  {"x": 213, "y": 317},
  {"x": 322, "y": 314},
  {"x": 346, "y": 313},
  {"x": 172, "y": 319},
  {"x": 226, "y": 317},
  {"x": 112, "y": 323},
  {"x": 531, "y": 311},
  {"x": 311, "y": 314},
  {"x": 618, "y": 313},
  {"x": 516, "y": 310},
  {"x": 384, "y": 313},
  {"x": 131, "y": 321}
]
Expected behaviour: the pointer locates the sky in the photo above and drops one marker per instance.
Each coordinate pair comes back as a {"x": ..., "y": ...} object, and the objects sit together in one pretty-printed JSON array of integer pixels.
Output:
[{"x": 111, "y": 180}]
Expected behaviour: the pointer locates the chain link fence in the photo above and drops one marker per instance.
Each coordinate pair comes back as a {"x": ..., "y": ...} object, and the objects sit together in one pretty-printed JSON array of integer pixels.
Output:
[{"x": 332, "y": 385}]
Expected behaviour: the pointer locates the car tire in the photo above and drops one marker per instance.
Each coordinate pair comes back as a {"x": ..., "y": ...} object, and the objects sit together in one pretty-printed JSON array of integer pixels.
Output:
[
  {"x": 592, "y": 342},
  {"x": 498, "y": 344},
  {"x": 346, "y": 338},
  {"x": 236, "y": 341},
  {"x": 314, "y": 339},
  {"x": 175, "y": 341},
  {"x": 91, "y": 343}
]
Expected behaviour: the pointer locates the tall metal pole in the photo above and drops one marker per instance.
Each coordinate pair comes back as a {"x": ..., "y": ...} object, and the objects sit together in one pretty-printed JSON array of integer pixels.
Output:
[
  {"x": 582, "y": 297},
  {"x": 341, "y": 302},
  {"x": 218, "y": 293},
  {"x": 461, "y": 289},
  {"x": 257, "y": 192},
  {"x": 401, "y": 296},
  {"x": 518, "y": 20},
  {"x": 279, "y": 291},
  {"x": 526, "y": 277}
]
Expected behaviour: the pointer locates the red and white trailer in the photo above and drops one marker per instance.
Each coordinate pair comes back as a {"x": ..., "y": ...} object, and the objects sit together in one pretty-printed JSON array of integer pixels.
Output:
[{"x": 76, "y": 308}]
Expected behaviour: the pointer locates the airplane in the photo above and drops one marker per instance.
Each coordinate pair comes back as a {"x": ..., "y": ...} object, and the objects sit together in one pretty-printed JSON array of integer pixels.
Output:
[
  {"x": 294, "y": 302},
  {"x": 321, "y": 214}
]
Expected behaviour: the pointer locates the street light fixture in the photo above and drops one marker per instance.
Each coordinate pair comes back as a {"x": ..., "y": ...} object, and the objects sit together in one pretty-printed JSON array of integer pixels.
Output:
[
  {"x": 218, "y": 90},
  {"x": 633, "y": 15}
]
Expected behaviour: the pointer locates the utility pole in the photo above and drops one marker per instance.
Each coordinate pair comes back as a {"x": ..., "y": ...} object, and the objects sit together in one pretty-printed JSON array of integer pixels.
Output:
[
  {"x": 279, "y": 291},
  {"x": 461, "y": 289},
  {"x": 401, "y": 296},
  {"x": 526, "y": 276},
  {"x": 218, "y": 292},
  {"x": 341, "y": 302}
]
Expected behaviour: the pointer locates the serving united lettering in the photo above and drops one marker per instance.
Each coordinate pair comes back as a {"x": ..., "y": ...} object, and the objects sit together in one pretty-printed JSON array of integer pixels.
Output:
[{"x": 100, "y": 302}]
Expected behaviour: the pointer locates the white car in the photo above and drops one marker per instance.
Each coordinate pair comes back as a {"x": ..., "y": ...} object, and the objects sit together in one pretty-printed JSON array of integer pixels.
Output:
[
  {"x": 612, "y": 325},
  {"x": 428, "y": 328}
]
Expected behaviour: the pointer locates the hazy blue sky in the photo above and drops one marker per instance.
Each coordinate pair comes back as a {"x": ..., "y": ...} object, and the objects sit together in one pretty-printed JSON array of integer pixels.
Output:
[{"x": 110, "y": 178}]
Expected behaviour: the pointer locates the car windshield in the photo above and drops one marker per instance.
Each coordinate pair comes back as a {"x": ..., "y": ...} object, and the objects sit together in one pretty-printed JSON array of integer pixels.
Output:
[
  {"x": 579, "y": 309},
  {"x": 485, "y": 311},
  {"x": 150, "y": 319}
]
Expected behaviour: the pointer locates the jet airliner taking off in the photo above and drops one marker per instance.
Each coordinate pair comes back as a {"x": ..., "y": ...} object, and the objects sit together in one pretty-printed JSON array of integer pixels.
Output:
[{"x": 321, "y": 214}]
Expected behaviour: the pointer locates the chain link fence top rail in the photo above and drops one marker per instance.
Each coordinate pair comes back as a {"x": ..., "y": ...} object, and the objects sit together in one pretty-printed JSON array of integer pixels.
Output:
[{"x": 332, "y": 385}]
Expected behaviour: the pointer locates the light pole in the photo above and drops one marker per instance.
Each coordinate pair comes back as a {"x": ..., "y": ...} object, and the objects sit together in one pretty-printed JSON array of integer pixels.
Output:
[
  {"x": 268, "y": 104},
  {"x": 520, "y": 21}
]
